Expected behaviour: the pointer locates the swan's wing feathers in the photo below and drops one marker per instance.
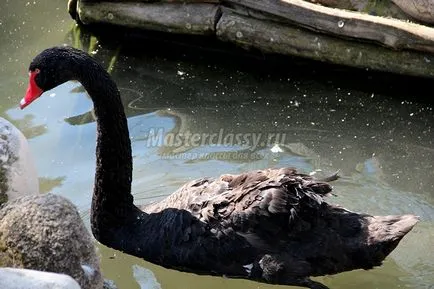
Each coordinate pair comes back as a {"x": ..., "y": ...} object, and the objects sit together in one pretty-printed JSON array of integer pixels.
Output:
[
  {"x": 186, "y": 197},
  {"x": 228, "y": 219},
  {"x": 260, "y": 205},
  {"x": 274, "y": 191}
]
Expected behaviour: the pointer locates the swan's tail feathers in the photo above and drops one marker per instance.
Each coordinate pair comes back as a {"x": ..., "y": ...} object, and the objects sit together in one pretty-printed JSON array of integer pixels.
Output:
[
  {"x": 320, "y": 188},
  {"x": 330, "y": 178},
  {"x": 385, "y": 233}
]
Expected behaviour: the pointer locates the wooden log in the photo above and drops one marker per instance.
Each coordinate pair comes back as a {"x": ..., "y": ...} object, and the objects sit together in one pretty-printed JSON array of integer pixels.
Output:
[
  {"x": 386, "y": 9},
  {"x": 372, "y": 7},
  {"x": 187, "y": 18},
  {"x": 152, "y": 1},
  {"x": 393, "y": 33},
  {"x": 422, "y": 10},
  {"x": 285, "y": 39}
]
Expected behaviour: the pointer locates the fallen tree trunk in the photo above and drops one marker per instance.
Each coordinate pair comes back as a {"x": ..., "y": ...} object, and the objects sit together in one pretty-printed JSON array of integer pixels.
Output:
[
  {"x": 291, "y": 40},
  {"x": 422, "y": 10},
  {"x": 289, "y": 27},
  {"x": 393, "y": 33},
  {"x": 187, "y": 18}
]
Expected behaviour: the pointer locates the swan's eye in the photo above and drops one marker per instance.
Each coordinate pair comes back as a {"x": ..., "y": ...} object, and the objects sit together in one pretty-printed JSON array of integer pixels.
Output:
[{"x": 35, "y": 71}]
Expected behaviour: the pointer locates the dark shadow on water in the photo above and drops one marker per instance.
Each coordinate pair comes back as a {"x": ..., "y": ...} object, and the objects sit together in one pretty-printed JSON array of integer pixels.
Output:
[
  {"x": 355, "y": 120},
  {"x": 200, "y": 49}
]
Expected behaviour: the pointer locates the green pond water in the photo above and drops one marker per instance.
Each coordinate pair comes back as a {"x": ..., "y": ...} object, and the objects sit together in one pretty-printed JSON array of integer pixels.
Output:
[{"x": 378, "y": 133}]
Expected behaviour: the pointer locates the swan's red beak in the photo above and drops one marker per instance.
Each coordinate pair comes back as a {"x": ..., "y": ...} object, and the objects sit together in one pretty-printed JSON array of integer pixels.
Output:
[{"x": 33, "y": 91}]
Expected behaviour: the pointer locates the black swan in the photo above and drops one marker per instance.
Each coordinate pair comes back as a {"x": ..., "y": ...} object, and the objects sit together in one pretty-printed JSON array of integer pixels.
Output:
[{"x": 271, "y": 226}]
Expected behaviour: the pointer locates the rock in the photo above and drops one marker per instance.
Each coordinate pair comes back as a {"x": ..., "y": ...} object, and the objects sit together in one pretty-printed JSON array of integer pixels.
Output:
[
  {"x": 109, "y": 284},
  {"x": 18, "y": 175},
  {"x": 45, "y": 232},
  {"x": 13, "y": 278}
]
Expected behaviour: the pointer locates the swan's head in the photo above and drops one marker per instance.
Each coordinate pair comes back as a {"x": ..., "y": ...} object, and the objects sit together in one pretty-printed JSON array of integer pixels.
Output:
[{"x": 51, "y": 68}]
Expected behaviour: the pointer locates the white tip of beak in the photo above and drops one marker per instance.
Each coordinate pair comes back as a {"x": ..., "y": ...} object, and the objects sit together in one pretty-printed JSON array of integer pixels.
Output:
[{"x": 23, "y": 103}]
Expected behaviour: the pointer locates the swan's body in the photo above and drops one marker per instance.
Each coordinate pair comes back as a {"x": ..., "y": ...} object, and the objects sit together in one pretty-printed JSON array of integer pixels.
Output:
[
  {"x": 272, "y": 226},
  {"x": 18, "y": 175}
]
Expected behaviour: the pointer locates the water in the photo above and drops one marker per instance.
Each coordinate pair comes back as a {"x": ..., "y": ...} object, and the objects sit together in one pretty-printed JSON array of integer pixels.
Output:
[{"x": 376, "y": 131}]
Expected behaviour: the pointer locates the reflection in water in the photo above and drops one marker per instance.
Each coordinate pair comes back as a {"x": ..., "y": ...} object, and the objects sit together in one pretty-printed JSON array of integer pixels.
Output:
[
  {"x": 48, "y": 184},
  {"x": 376, "y": 131},
  {"x": 145, "y": 278},
  {"x": 30, "y": 130}
]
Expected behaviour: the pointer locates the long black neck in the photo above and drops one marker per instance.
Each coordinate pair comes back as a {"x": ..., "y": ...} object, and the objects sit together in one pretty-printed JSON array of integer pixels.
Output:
[{"x": 112, "y": 202}]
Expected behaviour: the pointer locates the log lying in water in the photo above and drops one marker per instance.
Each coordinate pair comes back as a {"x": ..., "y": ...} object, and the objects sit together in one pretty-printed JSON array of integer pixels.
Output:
[
  {"x": 394, "y": 33},
  {"x": 422, "y": 10},
  {"x": 297, "y": 28},
  {"x": 188, "y": 18},
  {"x": 286, "y": 39}
]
